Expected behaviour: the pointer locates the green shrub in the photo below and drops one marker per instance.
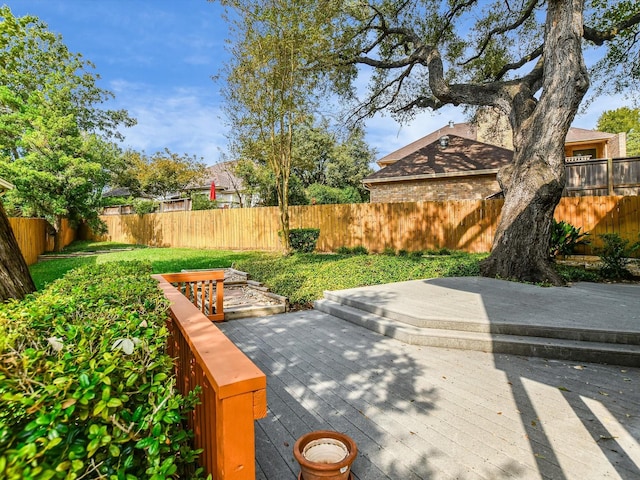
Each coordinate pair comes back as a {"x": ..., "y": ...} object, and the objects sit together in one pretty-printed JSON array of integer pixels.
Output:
[
  {"x": 325, "y": 195},
  {"x": 357, "y": 250},
  {"x": 614, "y": 255},
  {"x": 565, "y": 238},
  {"x": 86, "y": 388},
  {"x": 439, "y": 251},
  {"x": 304, "y": 240},
  {"x": 202, "y": 202},
  {"x": 390, "y": 251},
  {"x": 115, "y": 201},
  {"x": 570, "y": 273},
  {"x": 142, "y": 207}
]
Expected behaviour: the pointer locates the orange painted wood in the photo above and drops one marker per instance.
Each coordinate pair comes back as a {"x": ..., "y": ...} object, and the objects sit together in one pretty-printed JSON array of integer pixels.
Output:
[
  {"x": 233, "y": 392},
  {"x": 188, "y": 283}
]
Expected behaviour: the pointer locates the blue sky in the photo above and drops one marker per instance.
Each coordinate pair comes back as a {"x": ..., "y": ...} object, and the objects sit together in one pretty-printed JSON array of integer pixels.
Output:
[{"x": 158, "y": 56}]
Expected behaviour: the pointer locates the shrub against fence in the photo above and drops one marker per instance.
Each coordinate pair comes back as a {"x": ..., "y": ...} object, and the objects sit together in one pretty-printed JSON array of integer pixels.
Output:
[{"x": 468, "y": 225}]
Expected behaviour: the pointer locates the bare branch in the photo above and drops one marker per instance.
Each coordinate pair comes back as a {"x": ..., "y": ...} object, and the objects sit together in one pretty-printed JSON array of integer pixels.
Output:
[
  {"x": 504, "y": 29},
  {"x": 524, "y": 60}
]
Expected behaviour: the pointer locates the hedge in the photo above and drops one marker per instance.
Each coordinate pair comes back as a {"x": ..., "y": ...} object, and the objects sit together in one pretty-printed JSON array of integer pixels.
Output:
[{"x": 86, "y": 388}]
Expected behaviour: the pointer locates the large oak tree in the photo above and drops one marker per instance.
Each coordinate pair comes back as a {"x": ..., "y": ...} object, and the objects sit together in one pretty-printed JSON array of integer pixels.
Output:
[{"x": 523, "y": 58}]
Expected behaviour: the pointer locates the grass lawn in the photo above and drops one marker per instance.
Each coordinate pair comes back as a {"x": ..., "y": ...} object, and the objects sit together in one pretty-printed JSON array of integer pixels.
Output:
[{"x": 301, "y": 277}]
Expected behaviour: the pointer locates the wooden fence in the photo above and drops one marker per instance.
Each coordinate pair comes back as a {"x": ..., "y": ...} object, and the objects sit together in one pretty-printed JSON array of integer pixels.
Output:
[
  {"x": 605, "y": 176},
  {"x": 465, "y": 225},
  {"x": 35, "y": 236}
]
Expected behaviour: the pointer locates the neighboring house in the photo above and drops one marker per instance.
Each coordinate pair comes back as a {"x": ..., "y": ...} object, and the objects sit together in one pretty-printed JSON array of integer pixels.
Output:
[
  {"x": 460, "y": 162},
  {"x": 581, "y": 143},
  {"x": 451, "y": 167},
  {"x": 228, "y": 188}
]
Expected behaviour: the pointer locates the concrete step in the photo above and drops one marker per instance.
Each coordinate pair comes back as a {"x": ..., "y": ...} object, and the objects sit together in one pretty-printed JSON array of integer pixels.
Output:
[
  {"x": 527, "y": 345},
  {"x": 581, "y": 334}
]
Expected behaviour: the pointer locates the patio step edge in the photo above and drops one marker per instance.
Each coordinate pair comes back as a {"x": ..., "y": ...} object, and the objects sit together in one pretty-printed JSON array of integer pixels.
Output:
[
  {"x": 503, "y": 328},
  {"x": 554, "y": 348}
]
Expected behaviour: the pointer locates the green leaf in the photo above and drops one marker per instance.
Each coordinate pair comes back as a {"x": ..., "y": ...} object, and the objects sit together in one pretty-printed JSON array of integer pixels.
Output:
[
  {"x": 114, "y": 450},
  {"x": 84, "y": 381}
]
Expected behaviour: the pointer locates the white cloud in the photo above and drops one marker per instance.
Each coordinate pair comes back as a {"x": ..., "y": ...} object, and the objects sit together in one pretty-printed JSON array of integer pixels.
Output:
[{"x": 181, "y": 119}]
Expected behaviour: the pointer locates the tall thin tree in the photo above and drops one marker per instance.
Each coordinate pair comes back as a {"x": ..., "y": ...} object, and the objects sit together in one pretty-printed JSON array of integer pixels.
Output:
[{"x": 272, "y": 82}]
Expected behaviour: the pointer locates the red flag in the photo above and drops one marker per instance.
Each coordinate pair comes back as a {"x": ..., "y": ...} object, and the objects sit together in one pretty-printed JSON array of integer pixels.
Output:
[{"x": 212, "y": 192}]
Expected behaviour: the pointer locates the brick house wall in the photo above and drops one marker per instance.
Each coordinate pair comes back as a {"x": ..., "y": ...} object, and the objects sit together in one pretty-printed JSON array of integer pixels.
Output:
[{"x": 476, "y": 187}]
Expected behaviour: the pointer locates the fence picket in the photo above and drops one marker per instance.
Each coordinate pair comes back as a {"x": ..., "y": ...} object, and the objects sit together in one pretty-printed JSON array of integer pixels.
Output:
[{"x": 467, "y": 225}]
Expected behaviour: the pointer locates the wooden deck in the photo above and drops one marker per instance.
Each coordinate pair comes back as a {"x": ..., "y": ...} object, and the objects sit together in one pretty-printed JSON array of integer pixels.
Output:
[{"x": 429, "y": 413}]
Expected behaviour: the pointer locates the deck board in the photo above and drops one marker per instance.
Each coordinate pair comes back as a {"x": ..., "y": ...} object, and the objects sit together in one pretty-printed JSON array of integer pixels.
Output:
[{"x": 428, "y": 413}]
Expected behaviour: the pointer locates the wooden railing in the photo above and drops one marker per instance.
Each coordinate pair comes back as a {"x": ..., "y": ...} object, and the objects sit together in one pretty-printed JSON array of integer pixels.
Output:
[
  {"x": 233, "y": 389},
  {"x": 199, "y": 288}
]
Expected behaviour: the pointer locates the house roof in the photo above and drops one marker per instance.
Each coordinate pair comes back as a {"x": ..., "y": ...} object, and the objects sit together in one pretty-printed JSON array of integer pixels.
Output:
[
  {"x": 469, "y": 131},
  {"x": 462, "y": 156},
  {"x": 583, "y": 135},
  {"x": 464, "y": 130},
  {"x": 222, "y": 174}
]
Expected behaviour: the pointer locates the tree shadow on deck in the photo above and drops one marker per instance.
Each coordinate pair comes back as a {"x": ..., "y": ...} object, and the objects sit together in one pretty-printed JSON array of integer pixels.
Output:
[
  {"x": 580, "y": 419},
  {"x": 324, "y": 373}
]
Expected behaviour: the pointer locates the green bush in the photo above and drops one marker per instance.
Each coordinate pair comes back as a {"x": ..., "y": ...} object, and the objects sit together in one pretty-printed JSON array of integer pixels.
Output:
[
  {"x": 357, "y": 250},
  {"x": 86, "y": 388},
  {"x": 565, "y": 238},
  {"x": 444, "y": 251},
  {"x": 202, "y": 202},
  {"x": 142, "y": 207},
  {"x": 115, "y": 201},
  {"x": 304, "y": 240},
  {"x": 614, "y": 255},
  {"x": 326, "y": 195}
]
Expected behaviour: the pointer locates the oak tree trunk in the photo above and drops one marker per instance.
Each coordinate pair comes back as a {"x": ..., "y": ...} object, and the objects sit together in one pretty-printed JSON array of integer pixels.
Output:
[
  {"x": 15, "y": 279},
  {"x": 533, "y": 183}
]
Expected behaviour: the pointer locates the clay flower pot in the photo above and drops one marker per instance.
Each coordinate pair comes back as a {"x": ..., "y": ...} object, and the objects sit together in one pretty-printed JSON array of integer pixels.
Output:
[{"x": 325, "y": 455}]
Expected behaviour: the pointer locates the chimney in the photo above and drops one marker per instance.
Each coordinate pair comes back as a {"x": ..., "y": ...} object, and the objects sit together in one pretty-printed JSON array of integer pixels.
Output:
[{"x": 451, "y": 124}]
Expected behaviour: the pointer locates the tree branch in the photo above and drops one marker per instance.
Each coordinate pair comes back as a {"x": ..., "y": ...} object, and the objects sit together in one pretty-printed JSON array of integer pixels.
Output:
[
  {"x": 524, "y": 60},
  {"x": 600, "y": 36},
  {"x": 503, "y": 29}
]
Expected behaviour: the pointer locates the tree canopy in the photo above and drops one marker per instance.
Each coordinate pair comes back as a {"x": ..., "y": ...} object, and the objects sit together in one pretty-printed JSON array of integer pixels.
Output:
[
  {"x": 327, "y": 167},
  {"x": 272, "y": 83},
  {"x": 158, "y": 175},
  {"x": 623, "y": 119},
  {"x": 55, "y": 138}
]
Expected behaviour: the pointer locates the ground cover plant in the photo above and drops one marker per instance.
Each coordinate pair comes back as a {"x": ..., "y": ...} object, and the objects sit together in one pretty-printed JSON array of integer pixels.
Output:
[
  {"x": 301, "y": 277},
  {"x": 304, "y": 277},
  {"x": 86, "y": 388}
]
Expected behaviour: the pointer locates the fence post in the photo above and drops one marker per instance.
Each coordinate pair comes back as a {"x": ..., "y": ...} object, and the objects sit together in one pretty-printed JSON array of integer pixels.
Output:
[
  {"x": 235, "y": 437},
  {"x": 610, "y": 185}
]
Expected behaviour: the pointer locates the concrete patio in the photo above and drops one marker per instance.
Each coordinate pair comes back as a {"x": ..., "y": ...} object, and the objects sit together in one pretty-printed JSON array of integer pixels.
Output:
[{"x": 421, "y": 412}]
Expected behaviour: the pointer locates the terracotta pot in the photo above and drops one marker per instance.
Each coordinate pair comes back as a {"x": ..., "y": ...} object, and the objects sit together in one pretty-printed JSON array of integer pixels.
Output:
[{"x": 325, "y": 455}]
